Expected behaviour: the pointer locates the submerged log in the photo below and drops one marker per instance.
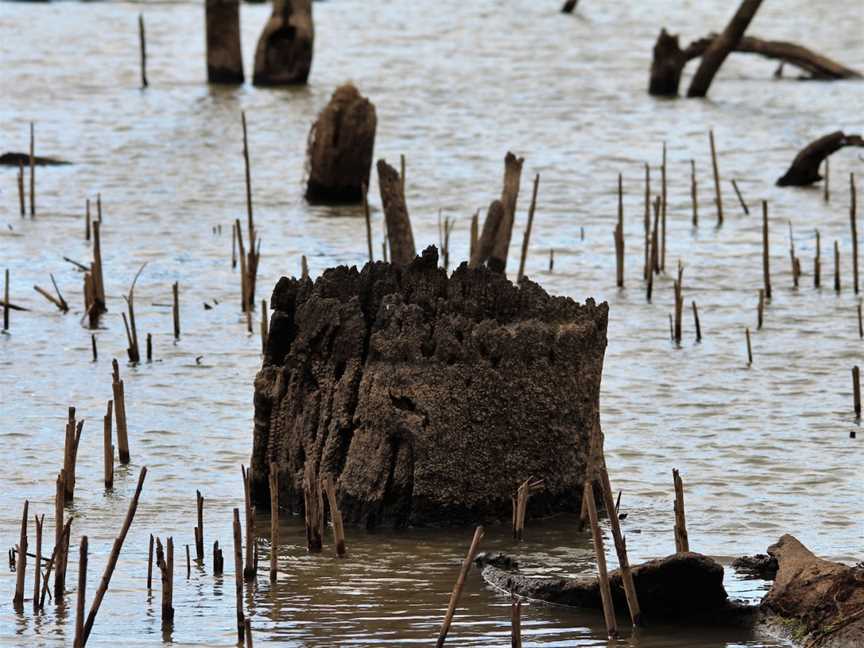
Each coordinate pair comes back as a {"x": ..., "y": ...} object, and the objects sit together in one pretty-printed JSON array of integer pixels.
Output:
[
  {"x": 720, "y": 47},
  {"x": 427, "y": 396},
  {"x": 669, "y": 60},
  {"x": 341, "y": 142},
  {"x": 805, "y": 167},
  {"x": 224, "y": 56},
  {"x": 284, "y": 52},
  {"x": 818, "y": 602},
  {"x": 683, "y": 586},
  {"x": 17, "y": 159}
]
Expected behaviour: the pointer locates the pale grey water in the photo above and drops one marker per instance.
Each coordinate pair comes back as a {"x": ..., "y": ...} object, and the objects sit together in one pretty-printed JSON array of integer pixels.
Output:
[{"x": 763, "y": 450}]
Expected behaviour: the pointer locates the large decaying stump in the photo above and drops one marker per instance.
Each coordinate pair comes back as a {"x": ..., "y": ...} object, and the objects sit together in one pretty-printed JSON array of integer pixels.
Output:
[
  {"x": 818, "y": 602},
  {"x": 428, "y": 398},
  {"x": 804, "y": 169},
  {"x": 284, "y": 52},
  {"x": 224, "y": 56},
  {"x": 340, "y": 148}
]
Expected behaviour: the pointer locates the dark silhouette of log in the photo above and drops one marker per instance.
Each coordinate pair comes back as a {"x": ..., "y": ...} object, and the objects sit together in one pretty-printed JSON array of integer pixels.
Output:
[
  {"x": 341, "y": 142},
  {"x": 399, "y": 234},
  {"x": 569, "y": 6},
  {"x": 721, "y": 46},
  {"x": 666, "y": 66},
  {"x": 284, "y": 52},
  {"x": 805, "y": 167},
  {"x": 224, "y": 56}
]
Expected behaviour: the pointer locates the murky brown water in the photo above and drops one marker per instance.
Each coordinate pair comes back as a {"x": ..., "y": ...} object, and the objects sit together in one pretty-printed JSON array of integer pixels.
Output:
[{"x": 763, "y": 450}]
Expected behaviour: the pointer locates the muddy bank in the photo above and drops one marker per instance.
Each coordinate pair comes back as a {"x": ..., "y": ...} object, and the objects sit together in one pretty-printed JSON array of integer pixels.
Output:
[{"x": 428, "y": 398}]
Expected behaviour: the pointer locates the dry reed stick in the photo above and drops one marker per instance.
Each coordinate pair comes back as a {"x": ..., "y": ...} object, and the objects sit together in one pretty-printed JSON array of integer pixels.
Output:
[
  {"x": 827, "y": 193},
  {"x": 98, "y": 277},
  {"x": 32, "y": 171},
  {"x": 646, "y": 270},
  {"x": 459, "y": 586},
  {"x": 551, "y": 260},
  {"x": 70, "y": 455},
  {"x": 93, "y": 347},
  {"x": 87, "y": 225},
  {"x": 718, "y": 197},
  {"x": 679, "y": 302},
  {"x": 860, "y": 322},
  {"x": 740, "y": 198},
  {"x": 836, "y": 267},
  {"x": 749, "y": 348},
  {"x": 335, "y": 515},
  {"x": 663, "y": 204},
  {"x": 114, "y": 556},
  {"x": 817, "y": 263},
  {"x": 853, "y": 218},
  {"x": 60, "y": 541},
  {"x": 856, "y": 390},
  {"x": 175, "y": 309},
  {"x": 527, "y": 237},
  {"x": 620, "y": 549},
  {"x": 313, "y": 510},
  {"x": 682, "y": 541},
  {"x": 188, "y": 564},
  {"x": 696, "y": 323},
  {"x": 150, "y": 564},
  {"x": 80, "y": 640},
  {"x": 199, "y": 530},
  {"x": 249, "y": 570},
  {"x": 766, "y": 270},
  {"x": 21, "y": 565},
  {"x": 238, "y": 574},
  {"x": 694, "y": 193},
  {"x": 6, "y": 302},
  {"x": 599, "y": 554},
  {"x": 108, "y": 447},
  {"x": 142, "y": 39},
  {"x": 760, "y": 309},
  {"x": 619, "y": 237},
  {"x": 39, "y": 521},
  {"x": 368, "y": 217},
  {"x": 118, "y": 390}
]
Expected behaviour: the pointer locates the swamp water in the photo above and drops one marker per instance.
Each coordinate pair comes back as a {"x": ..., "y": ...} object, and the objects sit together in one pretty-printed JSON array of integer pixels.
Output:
[{"x": 763, "y": 450}]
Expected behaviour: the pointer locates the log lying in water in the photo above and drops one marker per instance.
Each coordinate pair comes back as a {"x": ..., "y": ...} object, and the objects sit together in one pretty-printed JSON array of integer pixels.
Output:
[
  {"x": 341, "y": 142},
  {"x": 818, "y": 602},
  {"x": 669, "y": 60},
  {"x": 683, "y": 586},
  {"x": 16, "y": 159},
  {"x": 805, "y": 167},
  {"x": 428, "y": 397},
  {"x": 284, "y": 52},
  {"x": 224, "y": 56}
]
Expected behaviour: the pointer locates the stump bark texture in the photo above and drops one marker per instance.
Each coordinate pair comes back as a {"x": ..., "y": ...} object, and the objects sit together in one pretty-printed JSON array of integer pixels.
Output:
[
  {"x": 428, "y": 398},
  {"x": 224, "y": 56},
  {"x": 341, "y": 143},
  {"x": 284, "y": 52}
]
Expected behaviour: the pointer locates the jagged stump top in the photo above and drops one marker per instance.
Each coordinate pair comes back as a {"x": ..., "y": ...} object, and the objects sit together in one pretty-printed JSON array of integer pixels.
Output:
[{"x": 427, "y": 397}]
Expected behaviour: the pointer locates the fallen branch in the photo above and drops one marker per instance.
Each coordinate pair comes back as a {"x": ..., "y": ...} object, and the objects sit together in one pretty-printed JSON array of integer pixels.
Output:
[{"x": 805, "y": 167}]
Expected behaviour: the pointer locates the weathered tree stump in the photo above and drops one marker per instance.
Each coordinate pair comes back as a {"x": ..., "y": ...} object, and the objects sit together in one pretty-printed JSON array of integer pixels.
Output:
[
  {"x": 483, "y": 250},
  {"x": 805, "y": 167},
  {"x": 341, "y": 142},
  {"x": 399, "y": 234},
  {"x": 284, "y": 52},
  {"x": 428, "y": 397},
  {"x": 224, "y": 56},
  {"x": 666, "y": 66},
  {"x": 820, "y": 602}
]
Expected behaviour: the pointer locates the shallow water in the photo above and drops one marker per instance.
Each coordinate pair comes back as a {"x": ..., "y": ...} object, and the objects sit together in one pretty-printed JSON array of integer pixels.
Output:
[{"x": 763, "y": 450}]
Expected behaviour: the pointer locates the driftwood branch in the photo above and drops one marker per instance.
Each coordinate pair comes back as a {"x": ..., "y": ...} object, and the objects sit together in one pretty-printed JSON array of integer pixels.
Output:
[
  {"x": 805, "y": 167},
  {"x": 669, "y": 60},
  {"x": 721, "y": 47}
]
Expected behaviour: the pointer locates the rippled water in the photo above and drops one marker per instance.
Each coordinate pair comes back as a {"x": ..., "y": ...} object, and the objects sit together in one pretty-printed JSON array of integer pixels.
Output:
[{"x": 763, "y": 450}]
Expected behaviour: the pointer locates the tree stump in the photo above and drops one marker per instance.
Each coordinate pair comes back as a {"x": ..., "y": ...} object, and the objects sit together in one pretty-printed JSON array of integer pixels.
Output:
[
  {"x": 341, "y": 142},
  {"x": 284, "y": 52},
  {"x": 666, "y": 67},
  {"x": 224, "y": 56},
  {"x": 399, "y": 233},
  {"x": 427, "y": 397}
]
